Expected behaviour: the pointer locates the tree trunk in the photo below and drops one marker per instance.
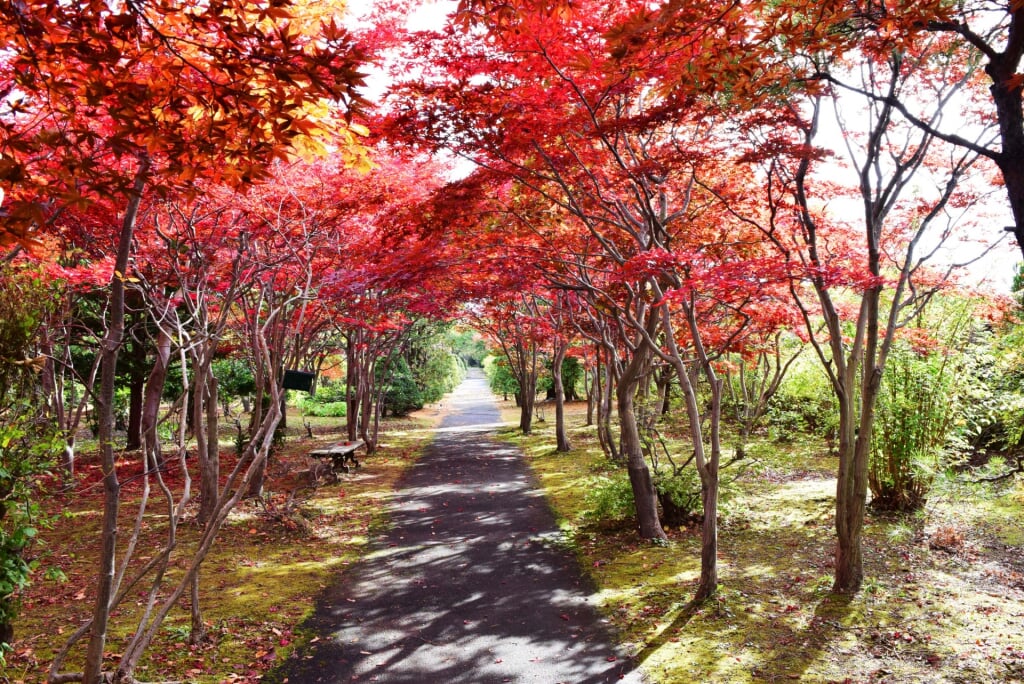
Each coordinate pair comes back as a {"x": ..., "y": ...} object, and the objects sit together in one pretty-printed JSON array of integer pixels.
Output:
[
  {"x": 662, "y": 381},
  {"x": 1007, "y": 96},
  {"x": 526, "y": 412},
  {"x": 852, "y": 487},
  {"x": 604, "y": 415},
  {"x": 109, "y": 350},
  {"x": 6, "y": 629},
  {"x": 367, "y": 407},
  {"x": 353, "y": 387},
  {"x": 204, "y": 408},
  {"x": 561, "y": 435},
  {"x": 588, "y": 383},
  {"x": 198, "y": 632},
  {"x": 136, "y": 384},
  {"x": 210, "y": 450},
  {"x": 259, "y": 413},
  {"x": 849, "y": 572},
  {"x": 708, "y": 582},
  {"x": 644, "y": 496},
  {"x": 707, "y": 586},
  {"x": 134, "y": 428},
  {"x": 151, "y": 399}
]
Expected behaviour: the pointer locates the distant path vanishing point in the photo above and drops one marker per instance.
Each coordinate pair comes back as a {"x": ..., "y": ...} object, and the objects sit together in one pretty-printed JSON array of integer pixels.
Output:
[{"x": 468, "y": 585}]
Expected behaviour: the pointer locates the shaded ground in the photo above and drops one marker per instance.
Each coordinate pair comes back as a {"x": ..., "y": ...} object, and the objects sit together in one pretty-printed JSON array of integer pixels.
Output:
[
  {"x": 271, "y": 558},
  {"x": 942, "y": 603},
  {"x": 468, "y": 584}
]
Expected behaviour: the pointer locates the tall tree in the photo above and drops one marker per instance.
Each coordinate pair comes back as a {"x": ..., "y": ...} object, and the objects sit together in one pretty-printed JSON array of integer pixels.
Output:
[
  {"x": 107, "y": 101},
  {"x": 605, "y": 180},
  {"x": 867, "y": 279}
]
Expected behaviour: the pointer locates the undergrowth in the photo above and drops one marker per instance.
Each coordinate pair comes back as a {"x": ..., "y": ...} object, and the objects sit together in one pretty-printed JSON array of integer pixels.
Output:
[
  {"x": 943, "y": 599},
  {"x": 272, "y": 559}
]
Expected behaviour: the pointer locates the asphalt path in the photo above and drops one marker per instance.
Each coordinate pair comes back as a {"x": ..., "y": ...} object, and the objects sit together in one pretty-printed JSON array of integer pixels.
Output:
[{"x": 468, "y": 585}]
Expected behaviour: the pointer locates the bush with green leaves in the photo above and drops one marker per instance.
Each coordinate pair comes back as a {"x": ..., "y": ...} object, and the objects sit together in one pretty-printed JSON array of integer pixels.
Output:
[
  {"x": 28, "y": 439},
  {"x": 431, "y": 357},
  {"x": 609, "y": 500},
  {"x": 468, "y": 346},
  {"x": 401, "y": 394},
  {"x": 914, "y": 418},
  {"x": 804, "y": 404},
  {"x": 437, "y": 374},
  {"x": 234, "y": 378},
  {"x": 931, "y": 393},
  {"x": 500, "y": 376},
  {"x": 572, "y": 377},
  {"x": 27, "y": 448},
  {"x": 993, "y": 418},
  {"x": 322, "y": 409},
  {"x": 679, "y": 496},
  {"x": 327, "y": 402}
]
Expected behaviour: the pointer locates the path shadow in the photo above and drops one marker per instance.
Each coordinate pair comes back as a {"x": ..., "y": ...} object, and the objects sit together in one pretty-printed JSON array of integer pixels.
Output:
[{"x": 468, "y": 585}]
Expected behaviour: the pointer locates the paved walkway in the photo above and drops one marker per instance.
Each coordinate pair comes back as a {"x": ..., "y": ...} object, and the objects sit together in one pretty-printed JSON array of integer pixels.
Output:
[{"x": 467, "y": 586}]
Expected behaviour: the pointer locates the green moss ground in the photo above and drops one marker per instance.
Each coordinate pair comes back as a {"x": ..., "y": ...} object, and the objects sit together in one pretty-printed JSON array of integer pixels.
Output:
[
  {"x": 943, "y": 600},
  {"x": 259, "y": 582}
]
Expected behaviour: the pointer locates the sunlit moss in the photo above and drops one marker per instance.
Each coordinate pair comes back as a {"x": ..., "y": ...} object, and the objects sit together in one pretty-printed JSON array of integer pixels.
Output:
[{"x": 774, "y": 618}]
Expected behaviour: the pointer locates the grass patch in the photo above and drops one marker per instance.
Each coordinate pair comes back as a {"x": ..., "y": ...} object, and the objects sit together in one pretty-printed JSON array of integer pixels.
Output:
[
  {"x": 943, "y": 600},
  {"x": 258, "y": 583}
]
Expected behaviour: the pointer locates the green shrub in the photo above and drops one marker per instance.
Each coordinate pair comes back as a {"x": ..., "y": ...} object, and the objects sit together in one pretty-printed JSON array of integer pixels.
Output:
[
  {"x": 440, "y": 373},
  {"x": 914, "y": 417},
  {"x": 328, "y": 391},
  {"x": 804, "y": 404},
  {"x": 330, "y": 409},
  {"x": 402, "y": 394},
  {"x": 500, "y": 377},
  {"x": 468, "y": 346},
  {"x": 679, "y": 496},
  {"x": 234, "y": 377},
  {"x": 28, "y": 439},
  {"x": 934, "y": 397},
  {"x": 327, "y": 402},
  {"x": 992, "y": 419},
  {"x": 609, "y": 500}
]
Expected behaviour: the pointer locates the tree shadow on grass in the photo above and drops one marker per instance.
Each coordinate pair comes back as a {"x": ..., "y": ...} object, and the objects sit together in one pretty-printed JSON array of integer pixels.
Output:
[
  {"x": 805, "y": 647},
  {"x": 768, "y": 647},
  {"x": 665, "y": 636}
]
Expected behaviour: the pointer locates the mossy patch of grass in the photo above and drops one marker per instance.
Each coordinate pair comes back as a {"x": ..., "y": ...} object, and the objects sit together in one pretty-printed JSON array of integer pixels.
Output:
[
  {"x": 942, "y": 601},
  {"x": 258, "y": 583}
]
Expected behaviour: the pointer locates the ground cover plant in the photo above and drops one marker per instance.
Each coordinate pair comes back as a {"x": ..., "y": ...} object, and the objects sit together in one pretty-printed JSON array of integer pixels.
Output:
[
  {"x": 275, "y": 555},
  {"x": 944, "y": 602}
]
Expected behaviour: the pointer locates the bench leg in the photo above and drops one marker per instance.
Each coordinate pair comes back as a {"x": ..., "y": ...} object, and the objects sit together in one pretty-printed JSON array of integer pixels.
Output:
[{"x": 319, "y": 470}]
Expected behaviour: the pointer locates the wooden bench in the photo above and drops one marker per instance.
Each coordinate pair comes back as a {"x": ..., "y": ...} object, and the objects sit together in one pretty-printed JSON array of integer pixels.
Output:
[{"x": 341, "y": 454}]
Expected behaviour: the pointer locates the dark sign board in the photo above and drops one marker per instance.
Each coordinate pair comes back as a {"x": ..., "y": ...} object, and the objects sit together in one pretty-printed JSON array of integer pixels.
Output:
[{"x": 299, "y": 380}]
